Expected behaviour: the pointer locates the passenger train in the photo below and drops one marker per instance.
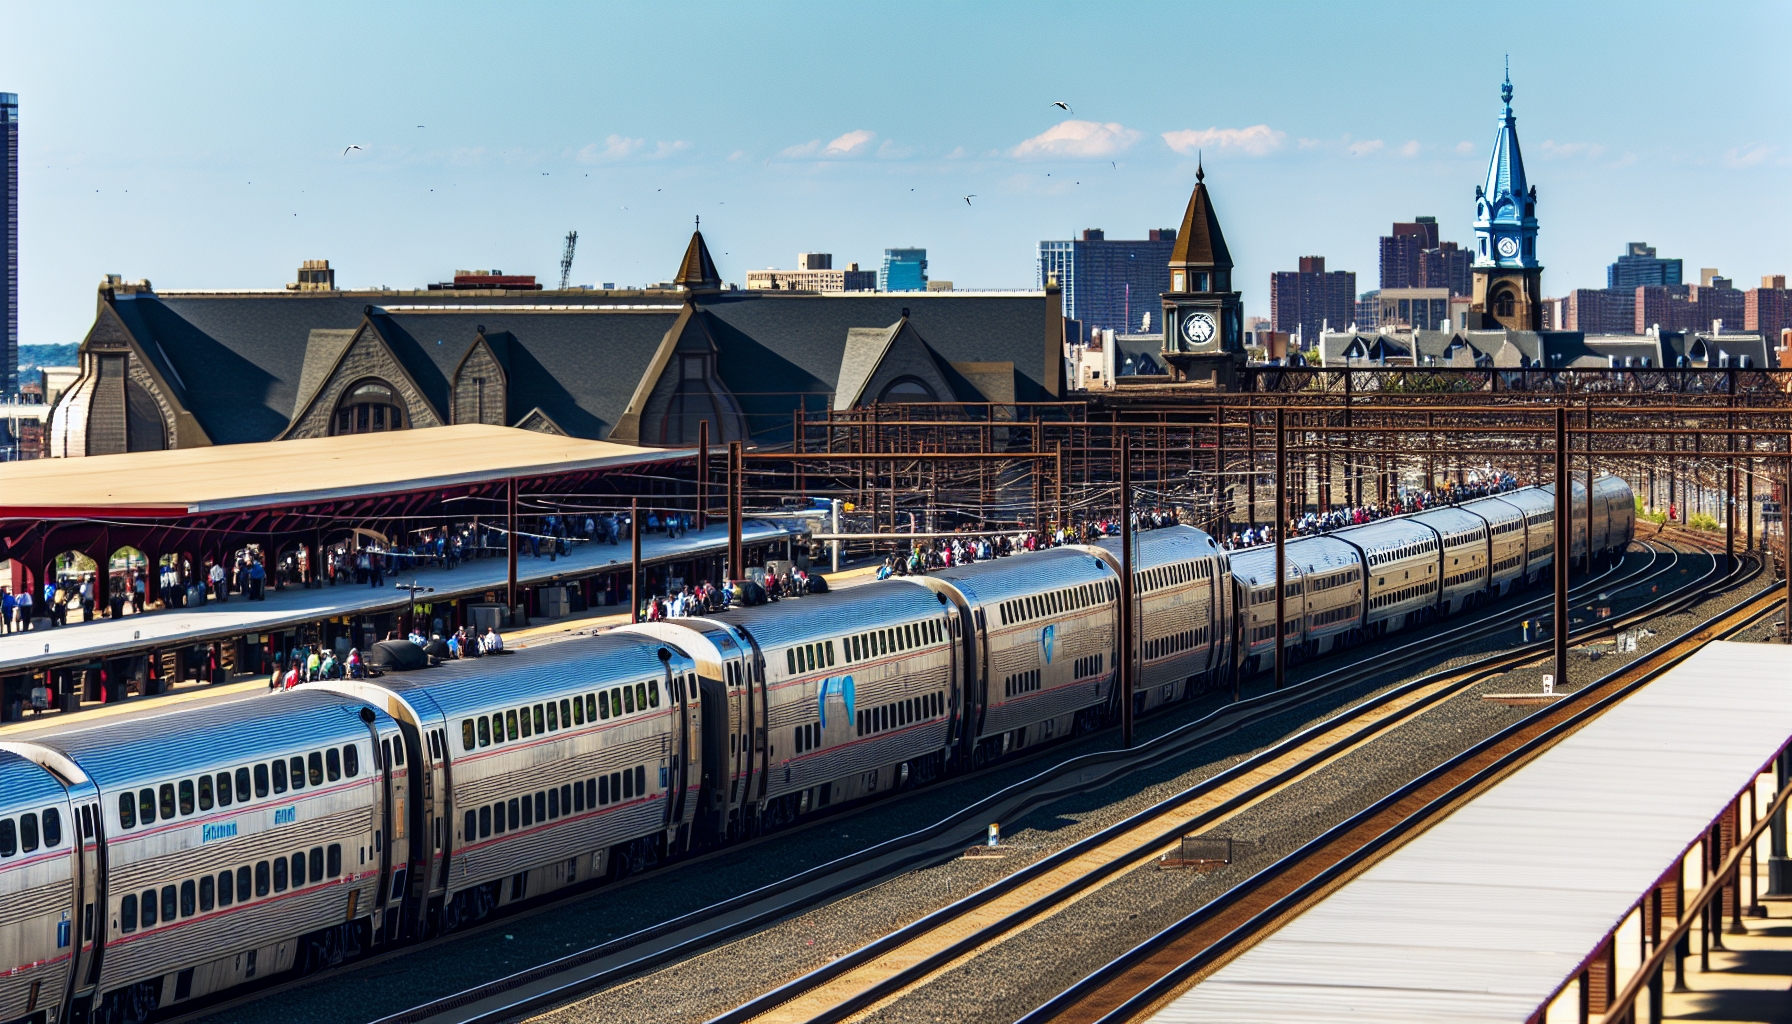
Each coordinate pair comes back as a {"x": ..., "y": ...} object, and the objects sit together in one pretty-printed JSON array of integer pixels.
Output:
[{"x": 150, "y": 864}]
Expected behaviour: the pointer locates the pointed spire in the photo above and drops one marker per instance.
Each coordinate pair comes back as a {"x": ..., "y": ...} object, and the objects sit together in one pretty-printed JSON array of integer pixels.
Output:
[
  {"x": 1200, "y": 170},
  {"x": 697, "y": 271},
  {"x": 1200, "y": 243}
]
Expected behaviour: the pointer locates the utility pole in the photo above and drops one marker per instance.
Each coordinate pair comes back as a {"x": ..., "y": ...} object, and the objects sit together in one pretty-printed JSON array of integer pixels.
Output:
[
  {"x": 1126, "y": 594},
  {"x": 702, "y": 474},
  {"x": 510, "y": 578},
  {"x": 735, "y": 569},
  {"x": 634, "y": 559},
  {"x": 1564, "y": 527},
  {"x": 1281, "y": 524},
  {"x": 572, "y": 241}
]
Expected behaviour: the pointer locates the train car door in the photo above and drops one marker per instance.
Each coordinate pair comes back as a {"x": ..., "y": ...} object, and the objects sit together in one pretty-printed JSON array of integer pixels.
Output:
[{"x": 87, "y": 927}]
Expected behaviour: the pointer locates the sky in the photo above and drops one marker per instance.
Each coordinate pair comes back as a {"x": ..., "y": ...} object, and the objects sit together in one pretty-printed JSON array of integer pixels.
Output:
[{"x": 202, "y": 146}]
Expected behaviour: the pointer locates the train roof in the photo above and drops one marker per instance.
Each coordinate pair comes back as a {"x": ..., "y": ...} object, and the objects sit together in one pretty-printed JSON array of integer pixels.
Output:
[
  {"x": 1388, "y": 533},
  {"x": 473, "y": 685},
  {"x": 210, "y": 738},
  {"x": 834, "y": 614},
  {"x": 1035, "y": 572},
  {"x": 1307, "y": 556},
  {"x": 1449, "y": 519},
  {"x": 25, "y": 784},
  {"x": 1165, "y": 546}
]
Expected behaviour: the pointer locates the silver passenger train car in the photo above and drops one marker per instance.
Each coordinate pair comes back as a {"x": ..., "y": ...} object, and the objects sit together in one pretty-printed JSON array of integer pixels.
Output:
[{"x": 149, "y": 864}]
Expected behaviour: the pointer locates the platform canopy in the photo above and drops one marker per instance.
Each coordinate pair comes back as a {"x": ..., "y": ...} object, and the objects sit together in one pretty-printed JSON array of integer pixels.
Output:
[{"x": 262, "y": 474}]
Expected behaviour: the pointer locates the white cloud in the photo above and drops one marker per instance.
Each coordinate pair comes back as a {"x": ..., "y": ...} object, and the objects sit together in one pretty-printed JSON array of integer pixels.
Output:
[
  {"x": 957, "y": 154},
  {"x": 739, "y": 154},
  {"x": 1749, "y": 155},
  {"x": 1553, "y": 150},
  {"x": 853, "y": 143},
  {"x": 1465, "y": 148},
  {"x": 1364, "y": 147},
  {"x": 619, "y": 147},
  {"x": 1257, "y": 140},
  {"x": 889, "y": 150},
  {"x": 1077, "y": 139},
  {"x": 1411, "y": 149}
]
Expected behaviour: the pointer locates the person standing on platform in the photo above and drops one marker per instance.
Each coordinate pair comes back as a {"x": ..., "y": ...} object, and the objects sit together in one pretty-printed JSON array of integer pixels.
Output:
[
  {"x": 7, "y": 605},
  {"x": 376, "y": 569},
  {"x": 21, "y": 610},
  {"x": 217, "y": 578},
  {"x": 258, "y": 578},
  {"x": 138, "y": 588}
]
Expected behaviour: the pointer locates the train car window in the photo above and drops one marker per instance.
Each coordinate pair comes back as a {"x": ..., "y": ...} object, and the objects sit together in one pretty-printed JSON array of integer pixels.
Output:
[
  {"x": 577, "y": 792},
  {"x": 187, "y": 804},
  {"x": 653, "y": 693},
  {"x": 790, "y": 660},
  {"x": 189, "y": 898},
  {"x": 280, "y": 876},
  {"x": 591, "y": 793},
  {"x": 263, "y": 880},
  {"x": 641, "y": 779},
  {"x": 242, "y": 883},
  {"x": 567, "y": 708},
  {"x": 616, "y": 702},
  {"x": 351, "y": 760},
  {"x": 127, "y": 811},
  {"x": 616, "y": 785},
  {"x": 828, "y": 648},
  {"x": 628, "y": 699},
  {"x": 9, "y": 838},
  {"x": 468, "y": 733},
  {"x": 528, "y": 723},
  {"x": 333, "y": 860},
  {"x": 541, "y": 808},
  {"x": 148, "y": 904},
  {"x": 628, "y": 785},
  {"x": 553, "y": 804},
  {"x": 485, "y": 822},
  {"x": 797, "y": 740},
  {"x": 170, "y": 903},
  {"x": 127, "y": 914},
  {"x": 509, "y": 817},
  {"x": 166, "y": 804},
  {"x": 205, "y": 792},
  {"x": 52, "y": 828},
  {"x": 591, "y": 706},
  {"x": 332, "y": 763},
  {"x": 280, "y": 776},
  {"x": 603, "y": 705},
  {"x": 510, "y": 725},
  {"x": 261, "y": 780},
  {"x": 469, "y": 829},
  {"x": 540, "y": 720},
  {"x": 603, "y": 789},
  {"x": 296, "y": 773},
  {"x": 207, "y": 893},
  {"x": 298, "y": 870}
]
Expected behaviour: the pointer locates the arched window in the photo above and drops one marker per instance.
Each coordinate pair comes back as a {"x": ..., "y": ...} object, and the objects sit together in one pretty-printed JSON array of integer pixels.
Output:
[
  {"x": 368, "y": 407},
  {"x": 908, "y": 389},
  {"x": 1503, "y": 303}
]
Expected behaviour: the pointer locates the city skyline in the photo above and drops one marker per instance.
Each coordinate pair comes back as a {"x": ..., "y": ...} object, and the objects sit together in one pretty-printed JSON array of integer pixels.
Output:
[{"x": 247, "y": 182}]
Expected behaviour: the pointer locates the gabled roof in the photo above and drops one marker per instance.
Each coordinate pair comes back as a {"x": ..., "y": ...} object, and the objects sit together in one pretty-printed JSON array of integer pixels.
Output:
[
  {"x": 697, "y": 271},
  {"x": 323, "y": 350},
  {"x": 865, "y": 348},
  {"x": 1200, "y": 243}
]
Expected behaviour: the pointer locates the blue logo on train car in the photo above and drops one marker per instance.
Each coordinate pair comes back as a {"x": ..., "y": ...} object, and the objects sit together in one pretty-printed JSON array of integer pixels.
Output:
[
  {"x": 1045, "y": 641},
  {"x": 841, "y": 687},
  {"x": 221, "y": 830},
  {"x": 285, "y": 815}
]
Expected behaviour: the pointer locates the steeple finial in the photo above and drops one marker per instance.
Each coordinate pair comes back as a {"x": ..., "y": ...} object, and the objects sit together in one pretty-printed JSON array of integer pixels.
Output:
[
  {"x": 699, "y": 222},
  {"x": 1200, "y": 171},
  {"x": 1506, "y": 90}
]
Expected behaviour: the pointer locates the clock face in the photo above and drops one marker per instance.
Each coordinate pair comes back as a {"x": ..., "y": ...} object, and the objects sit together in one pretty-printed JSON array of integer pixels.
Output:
[
  {"x": 1508, "y": 247},
  {"x": 1198, "y": 328}
]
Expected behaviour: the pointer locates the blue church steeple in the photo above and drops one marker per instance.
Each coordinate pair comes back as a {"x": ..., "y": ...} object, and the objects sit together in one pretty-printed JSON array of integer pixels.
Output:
[{"x": 1506, "y": 204}]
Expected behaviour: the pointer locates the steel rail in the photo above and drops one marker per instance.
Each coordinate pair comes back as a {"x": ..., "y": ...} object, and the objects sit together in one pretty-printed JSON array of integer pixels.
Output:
[
  {"x": 944, "y": 839},
  {"x": 1464, "y": 775}
]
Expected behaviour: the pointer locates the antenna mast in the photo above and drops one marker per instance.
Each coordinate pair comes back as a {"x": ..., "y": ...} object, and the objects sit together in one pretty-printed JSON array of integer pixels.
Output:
[{"x": 572, "y": 240}]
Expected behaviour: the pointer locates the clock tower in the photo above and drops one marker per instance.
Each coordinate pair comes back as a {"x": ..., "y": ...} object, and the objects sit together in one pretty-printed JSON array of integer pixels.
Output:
[
  {"x": 1203, "y": 316},
  {"x": 1508, "y": 287}
]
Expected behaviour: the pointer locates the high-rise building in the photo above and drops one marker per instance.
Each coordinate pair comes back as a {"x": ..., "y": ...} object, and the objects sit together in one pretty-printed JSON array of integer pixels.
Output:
[
  {"x": 904, "y": 270},
  {"x": 1599, "y": 311},
  {"x": 1767, "y": 310},
  {"x": 1413, "y": 257},
  {"x": 815, "y": 273},
  {"x": 9, "y": 243},
  {"x": 814, "y": 261},
  {"x": 1446, "y": 266},
  {"x": 1307, "y": 300},
  {"x": 1640, "y": 266},
  {"x": 1508, "y": 284},
  {"x": 1110, "y": 283},
  {"x": 1368, "y": 310},
  {"x": 1425, "y": 309}
]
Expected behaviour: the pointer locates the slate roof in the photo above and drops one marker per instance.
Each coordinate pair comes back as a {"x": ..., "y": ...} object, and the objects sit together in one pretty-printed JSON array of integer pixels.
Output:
[{"x": 865, "y": 348}]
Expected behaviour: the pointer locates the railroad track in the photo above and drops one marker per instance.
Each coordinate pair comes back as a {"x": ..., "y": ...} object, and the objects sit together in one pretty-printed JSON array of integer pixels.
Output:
[
  {"x": 1157, "y": 970},
  {"x": 882, "y": 970},
  {"x": 591, "y": 968}
]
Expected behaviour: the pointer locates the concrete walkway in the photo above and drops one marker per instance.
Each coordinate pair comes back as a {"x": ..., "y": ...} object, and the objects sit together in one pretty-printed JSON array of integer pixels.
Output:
[{"x": 285, "y": 608}]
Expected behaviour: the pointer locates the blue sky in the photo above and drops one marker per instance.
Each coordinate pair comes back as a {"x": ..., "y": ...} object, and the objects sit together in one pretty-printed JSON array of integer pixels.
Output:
[{"x": 201, "y": 146}]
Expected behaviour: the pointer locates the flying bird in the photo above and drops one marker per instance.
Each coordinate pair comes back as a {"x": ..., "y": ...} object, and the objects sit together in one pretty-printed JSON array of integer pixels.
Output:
[
  {"x": 967, "y": 199},
  {"x": 345, "y": 152},
  {"x": 1061, "y": 105},
  {"x": 1114, "y": 165}
]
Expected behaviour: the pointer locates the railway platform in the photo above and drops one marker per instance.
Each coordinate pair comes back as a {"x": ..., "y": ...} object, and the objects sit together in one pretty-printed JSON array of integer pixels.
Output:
[{"x": 1603, "y": 880}]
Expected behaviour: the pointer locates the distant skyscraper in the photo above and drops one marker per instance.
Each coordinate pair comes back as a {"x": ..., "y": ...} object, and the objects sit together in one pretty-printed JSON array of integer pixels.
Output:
[
  {"x": 1413, "y": 257},
  {"x": 1308, "y": 299},
  {"x": 1640, "y": 266},
  {"x": 9, "y": 243},
  {"x": 1110, "y": 284},
  {"x": 904, "y": 270}
]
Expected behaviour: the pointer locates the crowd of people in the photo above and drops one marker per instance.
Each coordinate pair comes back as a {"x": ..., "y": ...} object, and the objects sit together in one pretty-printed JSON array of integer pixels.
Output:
[
  {"x": 1311, "y": 523},
  {"x": 944, "y": 553}
]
